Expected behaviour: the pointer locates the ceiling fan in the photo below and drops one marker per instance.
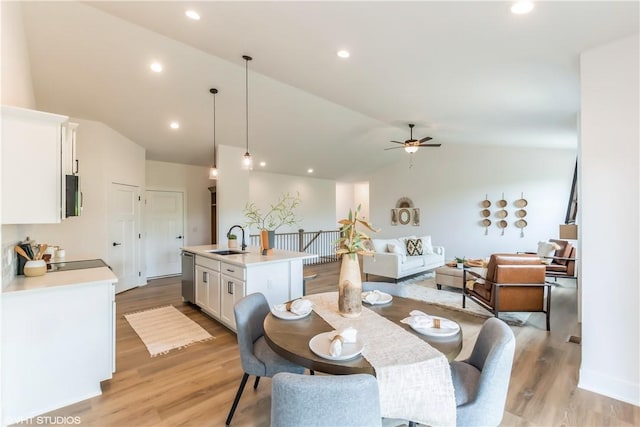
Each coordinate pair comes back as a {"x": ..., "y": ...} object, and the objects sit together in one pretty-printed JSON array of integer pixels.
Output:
[{"x": 411, "y": 145}]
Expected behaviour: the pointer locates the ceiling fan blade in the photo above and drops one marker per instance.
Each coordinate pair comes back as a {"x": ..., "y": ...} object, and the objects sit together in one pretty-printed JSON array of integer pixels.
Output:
[
  {"x": 392, "y": 148},
  {"x": 425, "y": 139},
  {"x": 429, "y": 145},
  {"x": 398, "y": 142}
]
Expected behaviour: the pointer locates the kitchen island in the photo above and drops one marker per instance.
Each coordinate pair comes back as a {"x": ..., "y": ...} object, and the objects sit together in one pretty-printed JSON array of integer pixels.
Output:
[
  {"x": 58, "y": 340},
  {"x": 219, "y": 281}
]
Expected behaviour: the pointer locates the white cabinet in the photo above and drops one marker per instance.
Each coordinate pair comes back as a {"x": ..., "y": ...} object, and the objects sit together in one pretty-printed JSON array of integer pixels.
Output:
[
  {"x": 31, "y": 166},
  {"x": 220, "y": 285},
  {"x": 208, "y": 285},
  {"x": 58, "y": 344},
  {"x": 70, "y": 162}
]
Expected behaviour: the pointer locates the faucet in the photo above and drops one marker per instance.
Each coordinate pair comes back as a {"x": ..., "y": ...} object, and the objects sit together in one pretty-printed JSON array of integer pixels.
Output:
[{"x": 244, "y": 245}]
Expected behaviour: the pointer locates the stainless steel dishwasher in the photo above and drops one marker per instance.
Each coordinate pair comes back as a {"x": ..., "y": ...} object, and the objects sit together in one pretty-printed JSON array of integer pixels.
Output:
[{"x": 188, "y": 277}]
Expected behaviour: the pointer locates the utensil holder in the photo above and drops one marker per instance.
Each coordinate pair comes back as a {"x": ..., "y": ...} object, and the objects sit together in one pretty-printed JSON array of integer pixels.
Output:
[{"x": 35, "y": 268}]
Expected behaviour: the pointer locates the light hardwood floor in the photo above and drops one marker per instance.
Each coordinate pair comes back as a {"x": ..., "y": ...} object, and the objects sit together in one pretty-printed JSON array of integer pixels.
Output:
[{"x": 195, "y": 386}]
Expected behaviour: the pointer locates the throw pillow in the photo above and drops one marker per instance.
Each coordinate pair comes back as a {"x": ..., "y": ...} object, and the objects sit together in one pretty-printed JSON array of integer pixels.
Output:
[
  {"x": 545, "y": 250},
  {"x": 427, "y": 247},
  {"x": 395, "y": 249},
  {"x": 414, "y": 247}
]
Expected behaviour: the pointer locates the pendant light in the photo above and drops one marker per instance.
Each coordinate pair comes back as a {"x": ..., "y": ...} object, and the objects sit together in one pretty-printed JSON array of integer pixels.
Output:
[
  {"x": 247, "y": 156},
  {"x": 213, "y": 172}
]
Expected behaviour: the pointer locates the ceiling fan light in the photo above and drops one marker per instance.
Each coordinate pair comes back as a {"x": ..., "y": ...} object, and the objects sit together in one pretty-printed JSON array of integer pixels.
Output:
[{"x": 410, "y": 149}]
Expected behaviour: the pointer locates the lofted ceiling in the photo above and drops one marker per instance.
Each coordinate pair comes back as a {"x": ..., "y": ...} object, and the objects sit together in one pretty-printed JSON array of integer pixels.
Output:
[{"x": 463, "y": 72}]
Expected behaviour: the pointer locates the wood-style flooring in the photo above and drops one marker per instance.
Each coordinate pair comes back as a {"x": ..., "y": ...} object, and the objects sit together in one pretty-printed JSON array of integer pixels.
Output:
[{"x": 196, "y": 385}]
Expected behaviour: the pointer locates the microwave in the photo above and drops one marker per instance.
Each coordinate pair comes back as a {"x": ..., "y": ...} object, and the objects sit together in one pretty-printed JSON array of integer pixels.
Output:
[{"x": 73, "y": 196}]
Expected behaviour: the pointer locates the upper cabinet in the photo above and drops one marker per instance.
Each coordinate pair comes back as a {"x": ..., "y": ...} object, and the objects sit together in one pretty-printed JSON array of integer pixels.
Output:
[
  {"x": 70, "y": 163},
  {"x": 32, "y": 170}
]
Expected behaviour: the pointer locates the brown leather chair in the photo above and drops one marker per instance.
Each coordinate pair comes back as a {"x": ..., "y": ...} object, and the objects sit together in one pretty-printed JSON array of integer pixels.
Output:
[
  {"x": 513, "y": 282},
  {"x": 563, "y": 262}
]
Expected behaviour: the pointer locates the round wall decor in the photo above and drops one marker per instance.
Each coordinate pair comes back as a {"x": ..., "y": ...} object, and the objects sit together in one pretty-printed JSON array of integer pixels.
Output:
[{"x": 404, "y": 216}]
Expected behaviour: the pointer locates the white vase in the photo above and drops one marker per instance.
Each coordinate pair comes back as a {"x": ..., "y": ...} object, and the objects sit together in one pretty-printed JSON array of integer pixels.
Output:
[
  {"x": 350, "y": 287},
  {"x": 232, "y": 243}
]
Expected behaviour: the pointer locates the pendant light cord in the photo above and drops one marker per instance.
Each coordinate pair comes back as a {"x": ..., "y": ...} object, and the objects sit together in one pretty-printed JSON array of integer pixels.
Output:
[
  {"x": 214, "y": 91},
  {"x": 246, "y": 99}
]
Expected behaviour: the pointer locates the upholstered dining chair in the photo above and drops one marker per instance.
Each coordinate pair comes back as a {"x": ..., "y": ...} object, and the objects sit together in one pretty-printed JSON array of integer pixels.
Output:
[
  {"x": 340, "y": 401},
  {"x": 255, "y": 354},
  {"x": 481, "y": 382}
]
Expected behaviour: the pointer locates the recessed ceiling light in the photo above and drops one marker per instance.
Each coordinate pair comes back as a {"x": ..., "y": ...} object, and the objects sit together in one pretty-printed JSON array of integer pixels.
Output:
[
  {"x": 193, "y": 15},
  {"x": 343, "y": 53},
  {"x": 309, "y": 170},
  {"x": 174, "y": 125},
  {"x": 156, "y": 66},
  {"x": 263, "y": 164},
  {"x": 522, "y": 7}
]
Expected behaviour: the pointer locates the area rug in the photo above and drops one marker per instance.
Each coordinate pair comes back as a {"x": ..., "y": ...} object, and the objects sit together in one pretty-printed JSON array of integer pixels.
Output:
[
  {"x": 424, "y": 288},
  {"x": 164, "y": 328}
]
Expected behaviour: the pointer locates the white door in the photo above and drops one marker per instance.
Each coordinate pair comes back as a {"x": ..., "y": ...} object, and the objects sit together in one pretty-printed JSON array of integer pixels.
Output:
[
  {"x": 165, "y": 232},
  {"x": 124, "y": 237}
]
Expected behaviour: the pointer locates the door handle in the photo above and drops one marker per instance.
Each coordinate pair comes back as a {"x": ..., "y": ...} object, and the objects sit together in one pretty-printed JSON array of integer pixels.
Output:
[
  {"x": 116, "y": 244},
  {"x": 230, "y": 288},
  {"x": 205, "y": 277},
  {"x": 179, "y": 237}
]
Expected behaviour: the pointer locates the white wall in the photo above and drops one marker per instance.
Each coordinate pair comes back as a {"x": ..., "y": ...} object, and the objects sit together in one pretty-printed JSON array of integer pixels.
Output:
[
  {"x": 609, "y": 231},
  {"x": 16, "y": 86},
  {"x": 448, "y": 184},
  {"x": 317, "y": 199},
  {"x": 194, "y": 182},
  {"x": 345, "y": 199}
]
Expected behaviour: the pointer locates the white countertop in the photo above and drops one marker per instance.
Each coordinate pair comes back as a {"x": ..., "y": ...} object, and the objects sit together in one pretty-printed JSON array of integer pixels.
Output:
[
  {"x": 251, "y": 257},
  {"x": 61, "y": 278}
]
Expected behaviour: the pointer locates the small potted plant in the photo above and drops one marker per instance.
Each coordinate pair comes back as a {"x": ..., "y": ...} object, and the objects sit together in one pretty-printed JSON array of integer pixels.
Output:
[
  {"x": 232, "y": 241},
  {"x": 460, "y": 262}
]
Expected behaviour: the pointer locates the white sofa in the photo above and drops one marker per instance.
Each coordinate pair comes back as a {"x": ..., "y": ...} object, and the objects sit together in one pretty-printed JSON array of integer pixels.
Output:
[{"x": 390, "y": 258}]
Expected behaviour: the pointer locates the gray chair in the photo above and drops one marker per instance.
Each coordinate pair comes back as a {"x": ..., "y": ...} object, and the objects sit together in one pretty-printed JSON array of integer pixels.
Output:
[
  {"x": 481, "y": 382},
  {"x": 255, "y": 354},
  {"x": 339, "y": 401},
  {"x": 389, "y": 288}
]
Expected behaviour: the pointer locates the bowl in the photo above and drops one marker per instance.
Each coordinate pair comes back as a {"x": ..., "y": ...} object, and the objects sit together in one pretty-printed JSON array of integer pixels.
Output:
[{"x": 35, "y": 268}]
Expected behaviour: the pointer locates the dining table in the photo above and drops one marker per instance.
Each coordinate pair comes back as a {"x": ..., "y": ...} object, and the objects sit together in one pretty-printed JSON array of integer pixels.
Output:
[{"x": 412, "y": 368}]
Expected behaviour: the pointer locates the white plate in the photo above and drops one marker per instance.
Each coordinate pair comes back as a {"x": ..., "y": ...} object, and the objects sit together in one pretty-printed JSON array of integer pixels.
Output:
[
  {"x": 438, "y": 332},
  {"x": 287, "y": 315},
  {"x": 320, "y": 346},
  {"x": 383, "y": 299}
]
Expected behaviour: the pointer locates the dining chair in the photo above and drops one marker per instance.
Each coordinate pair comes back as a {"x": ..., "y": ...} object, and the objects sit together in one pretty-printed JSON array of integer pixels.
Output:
[
  {"x": 255, "y": 354},
  {"x": 321, "y": 400},
  {"x": 481, "y": 382}
]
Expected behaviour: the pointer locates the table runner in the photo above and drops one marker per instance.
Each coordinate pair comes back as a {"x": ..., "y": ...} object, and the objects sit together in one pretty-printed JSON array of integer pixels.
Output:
[{"x": 414, "y": 378}]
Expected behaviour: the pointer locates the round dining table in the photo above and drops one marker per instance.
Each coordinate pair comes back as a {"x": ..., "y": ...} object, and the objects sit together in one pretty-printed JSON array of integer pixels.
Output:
[{"x": 290, "y": 338}]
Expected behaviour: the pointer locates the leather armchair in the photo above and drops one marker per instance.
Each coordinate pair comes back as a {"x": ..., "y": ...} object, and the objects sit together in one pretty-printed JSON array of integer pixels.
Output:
[
  {"x": 513, "y": 282},
  {"x": 563, "y": 262}
]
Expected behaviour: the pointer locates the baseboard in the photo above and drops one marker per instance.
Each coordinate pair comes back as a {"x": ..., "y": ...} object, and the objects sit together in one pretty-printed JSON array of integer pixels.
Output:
[{"x": 615, "y": 388}]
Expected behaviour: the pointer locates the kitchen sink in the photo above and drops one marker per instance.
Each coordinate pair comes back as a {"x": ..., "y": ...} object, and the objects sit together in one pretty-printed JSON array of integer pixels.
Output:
[{"x": 225, "y": 252}]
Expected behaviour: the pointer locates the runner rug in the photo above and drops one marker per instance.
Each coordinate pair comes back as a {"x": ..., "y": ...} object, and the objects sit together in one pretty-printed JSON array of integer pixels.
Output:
[{"x": 165, "y": 328}]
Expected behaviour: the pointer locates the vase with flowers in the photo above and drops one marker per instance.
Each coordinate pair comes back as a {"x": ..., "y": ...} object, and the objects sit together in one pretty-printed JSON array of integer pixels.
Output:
[
  {"x": 281, "y": 213},
  {"x": 352, "y": 242}
]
